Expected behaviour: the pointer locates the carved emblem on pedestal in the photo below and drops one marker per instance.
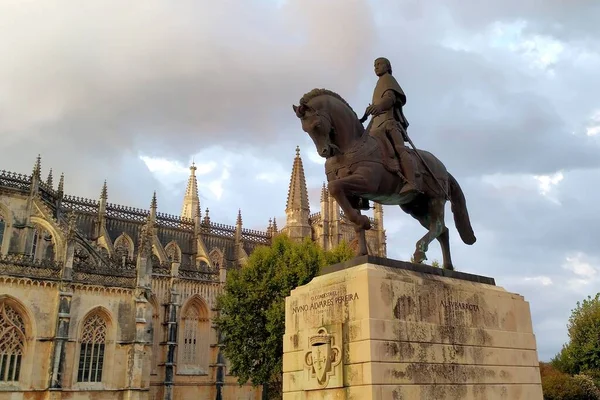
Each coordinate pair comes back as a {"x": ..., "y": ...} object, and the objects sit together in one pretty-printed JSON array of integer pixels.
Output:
[{"x": 322, "y": 357}]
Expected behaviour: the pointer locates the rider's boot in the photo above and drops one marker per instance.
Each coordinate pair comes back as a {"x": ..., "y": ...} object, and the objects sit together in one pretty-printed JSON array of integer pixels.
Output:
[{"x": 407, "y": 163}]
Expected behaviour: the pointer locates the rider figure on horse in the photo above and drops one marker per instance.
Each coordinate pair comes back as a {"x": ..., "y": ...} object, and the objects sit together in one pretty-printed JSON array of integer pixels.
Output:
[{"x": 389, "y": 123}]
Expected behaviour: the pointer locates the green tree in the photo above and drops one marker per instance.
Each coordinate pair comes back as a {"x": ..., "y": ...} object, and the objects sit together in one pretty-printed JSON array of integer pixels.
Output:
[
  {"x": 252, "y": 306},
  {"x": 582, "y": 353},
  {"x": 584, "y": 332}
]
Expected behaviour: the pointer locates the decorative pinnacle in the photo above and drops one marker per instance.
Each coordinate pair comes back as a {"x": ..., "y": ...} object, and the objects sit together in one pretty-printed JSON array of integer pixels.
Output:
[
  {"x": 50, "y": 180},
  {"x": 37, "y": 167},
  {"x": 239, "y": 217},
  {"x": 104, "y": 192},
  {"x": 324, "y": 193},
  {"x": 274, "y": 225},
  {"x": 153, "y": 203},
  {"x": 297, "y": 191},
  {"x": 61, "y": 183}
]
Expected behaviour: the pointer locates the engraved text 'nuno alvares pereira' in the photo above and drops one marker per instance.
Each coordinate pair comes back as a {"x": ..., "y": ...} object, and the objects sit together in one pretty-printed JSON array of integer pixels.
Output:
[{"x": 325, "y": 300}]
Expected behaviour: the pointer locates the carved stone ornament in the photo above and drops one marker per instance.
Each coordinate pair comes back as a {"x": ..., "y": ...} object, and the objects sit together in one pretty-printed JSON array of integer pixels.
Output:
[{"x": 322, "y": 357}]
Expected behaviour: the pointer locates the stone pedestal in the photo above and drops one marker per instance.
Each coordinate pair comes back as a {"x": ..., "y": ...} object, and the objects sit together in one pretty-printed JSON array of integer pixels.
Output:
[{"x": 376, "y": 328}]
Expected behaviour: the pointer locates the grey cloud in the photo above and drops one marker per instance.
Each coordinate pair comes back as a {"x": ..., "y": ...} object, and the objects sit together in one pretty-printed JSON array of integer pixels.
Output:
[
  {"x": 193, "y": 73},
  {"x": 572, "y": 20}
]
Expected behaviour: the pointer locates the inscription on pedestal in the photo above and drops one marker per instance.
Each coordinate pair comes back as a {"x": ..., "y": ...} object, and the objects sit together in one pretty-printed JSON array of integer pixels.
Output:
[
  {"x": 458, "y": 305},
  {"x": 324, "y": 301}
]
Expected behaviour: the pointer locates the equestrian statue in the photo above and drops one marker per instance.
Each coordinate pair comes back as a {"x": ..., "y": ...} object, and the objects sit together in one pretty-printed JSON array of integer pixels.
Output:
[{"x": 374, "y": 164}]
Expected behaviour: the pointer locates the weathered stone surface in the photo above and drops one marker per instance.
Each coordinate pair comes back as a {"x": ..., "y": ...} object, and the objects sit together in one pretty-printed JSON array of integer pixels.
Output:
[{"x": 408, "y": 333}]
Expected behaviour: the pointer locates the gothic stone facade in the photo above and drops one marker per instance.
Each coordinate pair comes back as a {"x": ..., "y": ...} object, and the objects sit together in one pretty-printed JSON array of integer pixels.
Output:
[{"x": 103, "y": 301}]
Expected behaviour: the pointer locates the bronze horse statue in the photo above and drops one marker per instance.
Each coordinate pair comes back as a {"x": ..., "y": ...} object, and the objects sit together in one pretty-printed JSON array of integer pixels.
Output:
[{"x": 357, "y": 168}]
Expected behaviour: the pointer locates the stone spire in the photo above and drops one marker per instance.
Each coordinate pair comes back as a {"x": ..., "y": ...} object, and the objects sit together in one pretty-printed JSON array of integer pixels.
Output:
[
  {"x": 153, "y": 207},
  {"x": 238, "y": 222},
  {"x": 37, "y": 167},
  {"x": 35, "y": 177},
  {"x": 50, "y": 180},
  {"x": 297, "y": 209},
  {"x": 61, "y": 183},
  {"x": 101, "y": 222},
  {"x": 239, "y": 246},
  {"x": 324, "y": 234},
  {"x": 104, "y": 192},
  {"x": 297, "y": 193},
  {"x": 381, "y": 236},
  {"x": 191, "y": 201},
  {"x": 206, "y": 220}
]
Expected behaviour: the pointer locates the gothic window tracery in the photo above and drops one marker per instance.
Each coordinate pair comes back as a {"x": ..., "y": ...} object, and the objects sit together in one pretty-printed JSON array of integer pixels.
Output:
[
  {"x": 123, "y": 249},
  {"x": 195, "y": 341},
  {"x": 172, "y": 251},
  {"x": 42, "y": 244},
  {"x": 92, "y": 347},
  {"x": 216, "y": 257},
  {"x": 12, "y": 343}
]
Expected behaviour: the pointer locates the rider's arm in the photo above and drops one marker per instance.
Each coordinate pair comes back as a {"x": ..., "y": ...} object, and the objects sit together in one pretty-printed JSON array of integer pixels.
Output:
[{"x": 387, "y": 100}]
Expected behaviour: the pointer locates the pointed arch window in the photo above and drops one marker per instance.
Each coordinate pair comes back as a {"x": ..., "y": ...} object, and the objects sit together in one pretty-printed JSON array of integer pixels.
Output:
[
  {"x": 92, "y": 346},
  {"x": 123, "y": 248},
  {"x": 195, "y": 339},
  {"x": 34, "y": 242},
  {"x": 12, "y": 343},
  {"x": 172, "y": 251},
  {"x": 2, "y": 227},
  {"x": 216, "y": 257}
]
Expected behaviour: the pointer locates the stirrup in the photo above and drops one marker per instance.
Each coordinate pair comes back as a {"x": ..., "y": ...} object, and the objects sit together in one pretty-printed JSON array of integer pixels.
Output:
[{"x": 408, "y": 188}]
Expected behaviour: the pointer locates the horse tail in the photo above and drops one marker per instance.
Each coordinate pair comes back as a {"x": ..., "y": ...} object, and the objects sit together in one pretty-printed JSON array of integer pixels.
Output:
[{"x": 459, "y": 209}]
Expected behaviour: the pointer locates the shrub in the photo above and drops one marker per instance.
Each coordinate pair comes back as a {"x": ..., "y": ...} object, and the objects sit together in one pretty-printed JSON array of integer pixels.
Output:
[{"x": 560, "y": 386}]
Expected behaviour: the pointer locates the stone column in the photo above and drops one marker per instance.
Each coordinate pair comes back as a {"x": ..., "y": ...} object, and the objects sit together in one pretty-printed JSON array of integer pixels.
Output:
[
  {"x": 62, "y": 336},
  {"x": 64, "y": 313},
  {"x": 171, "y": 344},
  {"x": 139, "y": 370}
]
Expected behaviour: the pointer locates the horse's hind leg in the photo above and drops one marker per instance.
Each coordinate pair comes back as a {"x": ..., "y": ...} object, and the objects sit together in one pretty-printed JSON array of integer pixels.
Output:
[
  {"x": 444, "y": 240},
  {"x": 433, "y": 221}
]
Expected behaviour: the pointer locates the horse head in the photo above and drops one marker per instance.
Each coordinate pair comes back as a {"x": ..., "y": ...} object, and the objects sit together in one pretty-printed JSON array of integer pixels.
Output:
[
  {"x": 329, "y": 121},
  {"x": 318, "y": 125}
]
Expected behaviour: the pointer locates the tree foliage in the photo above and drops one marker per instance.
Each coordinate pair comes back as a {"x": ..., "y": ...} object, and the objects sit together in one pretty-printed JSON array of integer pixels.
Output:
[
  {"x": 582, "y": 353},
  {"x": 557, "y": 385},
  {"x": 252, "y": 320}
]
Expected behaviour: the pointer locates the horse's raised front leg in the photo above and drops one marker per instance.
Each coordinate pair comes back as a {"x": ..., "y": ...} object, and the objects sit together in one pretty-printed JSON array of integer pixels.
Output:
[
  {"x": 433, "y": 221},
  {"x": 341, "y": 189},
  {"x": 362, "y": 241}
]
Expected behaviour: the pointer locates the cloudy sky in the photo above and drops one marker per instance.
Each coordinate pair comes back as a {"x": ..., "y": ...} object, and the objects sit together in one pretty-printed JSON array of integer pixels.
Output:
[{"x": 505, "y": 93}]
